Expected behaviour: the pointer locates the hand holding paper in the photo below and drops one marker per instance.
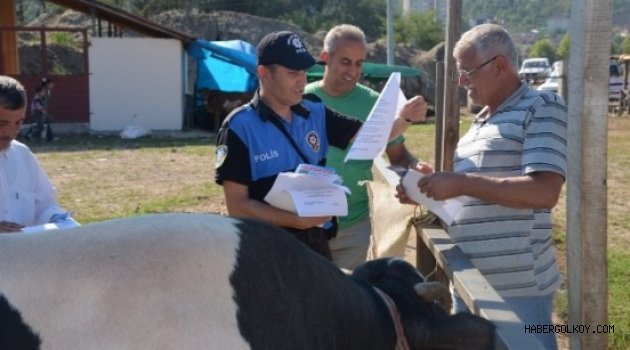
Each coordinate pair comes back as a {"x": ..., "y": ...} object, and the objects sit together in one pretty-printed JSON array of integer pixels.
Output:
[
  {"x": 310, "y": 191},
  {"x": 380, "y": 124},
  {"x": 446, "y": 210},
  {"x": 373, "y": 136}
]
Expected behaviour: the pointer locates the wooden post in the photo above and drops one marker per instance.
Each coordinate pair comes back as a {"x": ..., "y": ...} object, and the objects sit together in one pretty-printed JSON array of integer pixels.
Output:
[
  {"x": 8, "y": 39},
  {"x": 439, "y": 115},
  {"x": 591, "y": 23},
  {"x": 562, "y": 86},
  {"x": 451, "y": 83}
]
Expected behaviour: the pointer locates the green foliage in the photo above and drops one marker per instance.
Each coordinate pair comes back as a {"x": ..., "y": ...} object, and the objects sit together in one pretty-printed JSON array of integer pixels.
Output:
[
  {"x": 520, "y": 16},
  {"x": 369, "y": 15},
  {"x": 625, "y": 46},
  {"x": 61, "y": 38},
  {"x": 307, "y": 20},
  {"x": 616, "y": 44},
  {"x": 563, "y": 49},
  {"x": 419, "y": 29},
  {"x": 543, "y": 48}
]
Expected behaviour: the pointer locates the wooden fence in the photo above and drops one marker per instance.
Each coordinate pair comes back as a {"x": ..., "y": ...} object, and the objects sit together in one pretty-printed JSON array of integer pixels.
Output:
[{"x": 436, "y": 255}]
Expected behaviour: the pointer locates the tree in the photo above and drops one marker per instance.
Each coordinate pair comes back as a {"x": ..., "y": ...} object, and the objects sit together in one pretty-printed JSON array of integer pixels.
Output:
[
  {"x": 543, "y": 48},
  {"x": 419, "y": 29},
  {"x": 616, "y": 44},
  {"x": 563, "y": 48}
]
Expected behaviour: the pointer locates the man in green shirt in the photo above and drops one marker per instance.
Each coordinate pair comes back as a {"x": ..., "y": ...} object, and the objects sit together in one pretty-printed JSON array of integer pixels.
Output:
[{"x": 344, "y": 52}]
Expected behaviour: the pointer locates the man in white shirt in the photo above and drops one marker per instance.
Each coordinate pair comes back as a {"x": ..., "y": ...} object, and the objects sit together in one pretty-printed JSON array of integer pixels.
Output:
[{"x": 27, "y": 196}]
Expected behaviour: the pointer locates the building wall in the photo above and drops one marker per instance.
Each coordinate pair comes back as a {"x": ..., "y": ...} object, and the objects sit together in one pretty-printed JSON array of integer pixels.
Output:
[{"x": 136, "y": 81}]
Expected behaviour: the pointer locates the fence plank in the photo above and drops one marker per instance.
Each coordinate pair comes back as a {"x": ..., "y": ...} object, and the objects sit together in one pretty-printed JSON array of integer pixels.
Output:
[{"x": 475, "y": 290}]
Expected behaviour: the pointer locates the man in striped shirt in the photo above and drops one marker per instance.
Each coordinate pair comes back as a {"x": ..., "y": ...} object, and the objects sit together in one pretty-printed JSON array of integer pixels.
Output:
[{"x": 511, "y": 166}]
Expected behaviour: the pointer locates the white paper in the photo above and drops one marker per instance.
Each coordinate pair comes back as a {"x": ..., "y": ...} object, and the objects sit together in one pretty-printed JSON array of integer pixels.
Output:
[
  {"x": 67, "y": 223},
  {"x": 320, "y": 202},
  {"x": 374, "y": 134},
  {"x": 446, "y": 210},
  {"x": 327, "y": 174},
  {"x": 308, "y": 195}
]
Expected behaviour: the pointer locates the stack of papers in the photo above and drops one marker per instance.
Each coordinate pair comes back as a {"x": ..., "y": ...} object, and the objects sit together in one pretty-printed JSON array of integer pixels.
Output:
[{"x": 309, "y": 191}]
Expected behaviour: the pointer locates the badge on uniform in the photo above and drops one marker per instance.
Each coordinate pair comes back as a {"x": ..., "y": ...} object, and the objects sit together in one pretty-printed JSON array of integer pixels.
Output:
[
  {"x": 313, "y": 140},
  {"x": 221, "y": 154}
]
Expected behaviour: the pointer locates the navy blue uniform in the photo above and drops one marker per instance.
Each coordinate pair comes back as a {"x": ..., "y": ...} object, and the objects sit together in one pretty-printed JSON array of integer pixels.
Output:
[{"x": 251, "y": 149}]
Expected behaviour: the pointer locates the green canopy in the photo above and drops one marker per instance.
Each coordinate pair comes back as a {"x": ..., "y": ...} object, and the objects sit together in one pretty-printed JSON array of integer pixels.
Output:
[{"x": 371, "y": 71}]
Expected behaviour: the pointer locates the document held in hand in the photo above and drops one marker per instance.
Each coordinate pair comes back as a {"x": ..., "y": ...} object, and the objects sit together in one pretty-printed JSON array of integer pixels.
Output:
[
  {"x": 446, "y": 210},
  {"x": 309, "y": 191},
  {"x": 62, "y": 223},
  {"x": 374, "y": 134}
]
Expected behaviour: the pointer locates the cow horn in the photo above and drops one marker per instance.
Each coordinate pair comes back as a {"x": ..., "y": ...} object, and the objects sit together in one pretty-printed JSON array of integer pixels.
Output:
[{"x": 434, "y": 292}]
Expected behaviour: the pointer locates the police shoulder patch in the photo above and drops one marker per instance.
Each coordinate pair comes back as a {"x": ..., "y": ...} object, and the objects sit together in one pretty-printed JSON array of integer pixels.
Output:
[{"x": 220, "y": 154}]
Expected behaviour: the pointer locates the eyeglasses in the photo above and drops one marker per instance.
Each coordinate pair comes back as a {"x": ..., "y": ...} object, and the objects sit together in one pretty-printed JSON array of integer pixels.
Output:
[{"x": 468, "y": 73}]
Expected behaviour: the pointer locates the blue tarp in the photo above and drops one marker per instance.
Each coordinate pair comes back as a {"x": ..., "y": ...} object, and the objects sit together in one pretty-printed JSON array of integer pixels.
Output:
[{"x": 228, "y": 66}]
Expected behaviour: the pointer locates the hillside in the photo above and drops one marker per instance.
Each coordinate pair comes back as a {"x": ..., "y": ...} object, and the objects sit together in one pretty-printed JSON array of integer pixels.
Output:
[{"x": 228, "y": 25}]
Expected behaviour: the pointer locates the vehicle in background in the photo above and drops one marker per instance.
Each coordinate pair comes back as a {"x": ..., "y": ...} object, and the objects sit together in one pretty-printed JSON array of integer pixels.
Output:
[
  {"x": 535, "y": 69},
  {"x": 553, "y": 82}
]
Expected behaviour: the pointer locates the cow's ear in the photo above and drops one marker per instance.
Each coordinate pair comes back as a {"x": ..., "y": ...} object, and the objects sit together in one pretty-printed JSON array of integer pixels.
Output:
[{"x": 435, "y": 292}]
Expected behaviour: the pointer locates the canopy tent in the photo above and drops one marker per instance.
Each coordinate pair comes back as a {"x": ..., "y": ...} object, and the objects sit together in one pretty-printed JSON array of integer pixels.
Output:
[
  {"x": 371, "y": 71},
  {"x": 228, "y": 66}
]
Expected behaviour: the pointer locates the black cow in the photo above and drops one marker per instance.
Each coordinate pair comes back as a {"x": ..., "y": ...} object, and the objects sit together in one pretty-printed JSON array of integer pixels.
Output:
[{"x": 190, "y": 281}]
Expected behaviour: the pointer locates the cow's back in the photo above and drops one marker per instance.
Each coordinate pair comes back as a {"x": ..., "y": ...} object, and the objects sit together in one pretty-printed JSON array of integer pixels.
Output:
[{"x": 157, "y": 282}]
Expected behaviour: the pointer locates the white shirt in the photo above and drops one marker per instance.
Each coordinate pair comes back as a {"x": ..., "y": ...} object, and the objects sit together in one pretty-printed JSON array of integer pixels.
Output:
[{"x": 27, "y": 196}]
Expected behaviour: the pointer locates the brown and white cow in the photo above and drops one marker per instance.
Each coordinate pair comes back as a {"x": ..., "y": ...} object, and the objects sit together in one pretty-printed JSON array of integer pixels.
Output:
[{"x": 195, "y": 281}]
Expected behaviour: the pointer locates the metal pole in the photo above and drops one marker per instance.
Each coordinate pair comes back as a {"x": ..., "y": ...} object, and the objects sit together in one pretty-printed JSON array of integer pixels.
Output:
[{"x": 390, "y": 32}]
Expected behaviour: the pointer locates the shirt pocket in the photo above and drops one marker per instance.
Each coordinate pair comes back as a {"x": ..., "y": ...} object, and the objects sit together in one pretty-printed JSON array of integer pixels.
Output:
[{"x": 24, "y": 209}]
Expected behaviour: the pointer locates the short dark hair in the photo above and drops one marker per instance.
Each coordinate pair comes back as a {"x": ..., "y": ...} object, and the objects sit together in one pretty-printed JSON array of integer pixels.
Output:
[
  {"x": 12, "y": 93},
  {"x": 46, "y": 81}
]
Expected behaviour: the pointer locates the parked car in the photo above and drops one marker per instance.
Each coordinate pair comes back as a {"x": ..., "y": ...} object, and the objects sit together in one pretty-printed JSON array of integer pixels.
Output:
[
  {"x": 535, "y": 69},
  {"x": 553, "y": 82}
]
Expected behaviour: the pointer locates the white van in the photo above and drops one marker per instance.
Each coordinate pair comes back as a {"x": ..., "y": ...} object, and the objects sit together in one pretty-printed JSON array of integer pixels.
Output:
[{"x": 535, "y": 69}]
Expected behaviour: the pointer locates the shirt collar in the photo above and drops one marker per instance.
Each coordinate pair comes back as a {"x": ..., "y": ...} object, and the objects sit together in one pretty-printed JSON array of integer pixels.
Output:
[
  {"x": 514, "y": 98},
  {"x": 5, "y": 152},
  {"x": 264, "y": 112}
]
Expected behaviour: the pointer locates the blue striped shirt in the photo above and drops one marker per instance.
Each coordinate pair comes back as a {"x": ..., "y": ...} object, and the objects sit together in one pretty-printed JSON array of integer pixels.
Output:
[{"x": 511, "y": 247}]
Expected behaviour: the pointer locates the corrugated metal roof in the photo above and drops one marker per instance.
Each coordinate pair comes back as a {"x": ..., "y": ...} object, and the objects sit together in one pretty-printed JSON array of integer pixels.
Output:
[{"x": 124, "y": 19}]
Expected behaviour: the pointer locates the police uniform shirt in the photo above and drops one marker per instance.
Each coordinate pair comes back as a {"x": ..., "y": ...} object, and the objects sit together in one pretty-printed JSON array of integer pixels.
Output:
[{"x": 252, "y": 150}]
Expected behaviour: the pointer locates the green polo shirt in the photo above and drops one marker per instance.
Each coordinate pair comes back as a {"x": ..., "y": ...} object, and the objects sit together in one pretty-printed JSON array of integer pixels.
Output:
[{"x": 358, "y": 104}]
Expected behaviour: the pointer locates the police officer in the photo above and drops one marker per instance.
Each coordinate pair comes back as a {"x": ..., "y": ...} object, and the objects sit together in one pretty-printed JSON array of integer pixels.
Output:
[{"x": 279, "y": 129}]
